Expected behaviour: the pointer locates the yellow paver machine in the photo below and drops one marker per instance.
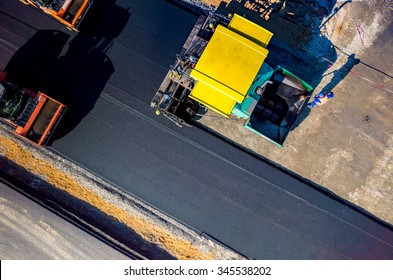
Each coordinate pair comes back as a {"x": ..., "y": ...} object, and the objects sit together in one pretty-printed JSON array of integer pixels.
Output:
[{"x": 222, "y": 68}]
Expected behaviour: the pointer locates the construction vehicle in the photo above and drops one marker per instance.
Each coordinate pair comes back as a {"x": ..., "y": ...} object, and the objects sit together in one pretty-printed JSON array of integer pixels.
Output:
[
  {"x": 222, "y": 68},
  {"x": 34, "y": 116},
  {"x": 68, "y": 12}
]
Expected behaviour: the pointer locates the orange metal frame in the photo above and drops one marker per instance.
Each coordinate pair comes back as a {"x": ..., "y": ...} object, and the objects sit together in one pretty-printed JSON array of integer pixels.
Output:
[
  {"x": 53, "y": 121},
  {"x": 42, "y": 98},
  {"x": 59, "y": 15}
]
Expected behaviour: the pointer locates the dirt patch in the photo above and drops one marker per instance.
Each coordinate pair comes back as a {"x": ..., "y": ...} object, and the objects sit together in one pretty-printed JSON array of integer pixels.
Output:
[{"x": 216, "y": 3}]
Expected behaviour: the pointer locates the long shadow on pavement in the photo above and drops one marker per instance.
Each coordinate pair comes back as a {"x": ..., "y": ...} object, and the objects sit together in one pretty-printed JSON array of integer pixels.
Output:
[{"x": 71, "y": 68}]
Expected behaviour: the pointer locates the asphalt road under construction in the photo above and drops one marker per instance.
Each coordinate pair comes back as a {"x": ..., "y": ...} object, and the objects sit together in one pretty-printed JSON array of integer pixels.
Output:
[{"x": 107, "y": 75}]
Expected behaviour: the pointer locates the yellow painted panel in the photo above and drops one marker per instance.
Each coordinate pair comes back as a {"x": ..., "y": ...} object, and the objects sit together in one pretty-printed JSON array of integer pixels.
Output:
[
  {"x": 213, "y": 99},
  {"x": 250, "y": 30},
  {"x": 231, "y": 60},
  {"x": 216, "y": 85}
]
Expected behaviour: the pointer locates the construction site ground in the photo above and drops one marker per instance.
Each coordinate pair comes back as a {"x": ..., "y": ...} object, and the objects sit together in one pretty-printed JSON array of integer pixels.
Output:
[{"x": 346, "y": 145}]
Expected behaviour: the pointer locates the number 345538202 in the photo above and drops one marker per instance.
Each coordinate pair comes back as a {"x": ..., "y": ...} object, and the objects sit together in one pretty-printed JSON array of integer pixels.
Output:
[{"x": 242, "y": 270}]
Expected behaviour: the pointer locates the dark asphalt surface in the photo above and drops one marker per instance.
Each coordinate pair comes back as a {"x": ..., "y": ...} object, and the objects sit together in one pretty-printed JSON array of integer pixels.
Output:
[{"x": 108, "y": 76}]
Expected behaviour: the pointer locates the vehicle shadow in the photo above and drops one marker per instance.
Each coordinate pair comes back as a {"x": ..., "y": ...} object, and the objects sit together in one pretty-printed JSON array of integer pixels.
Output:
[
  {"x": 32, "y": 64},
  {"x": 72, "y": 68},
  {"x": 87, "y": 62}
]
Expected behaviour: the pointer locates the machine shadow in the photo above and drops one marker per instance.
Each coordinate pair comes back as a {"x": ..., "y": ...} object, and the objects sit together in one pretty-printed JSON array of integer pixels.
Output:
[
  {"x": 73, "y": 69},
  {"x": 88, "y": 62}
]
